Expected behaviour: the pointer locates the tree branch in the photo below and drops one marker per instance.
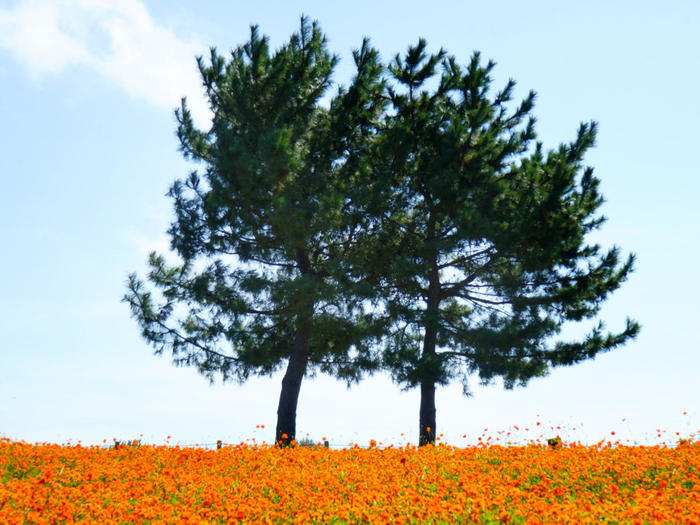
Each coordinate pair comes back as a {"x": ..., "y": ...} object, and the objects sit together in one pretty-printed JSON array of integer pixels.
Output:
[{"x": 465, "y": 258}]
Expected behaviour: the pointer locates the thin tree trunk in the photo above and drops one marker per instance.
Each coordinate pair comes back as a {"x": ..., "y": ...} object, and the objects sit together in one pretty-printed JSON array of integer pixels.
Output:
[
  {"x": 296, "y": 367},
  {"x": 427, "y": 417},
  {"x": 427, "y": 414},
  {"x": 291, "y": 385}
]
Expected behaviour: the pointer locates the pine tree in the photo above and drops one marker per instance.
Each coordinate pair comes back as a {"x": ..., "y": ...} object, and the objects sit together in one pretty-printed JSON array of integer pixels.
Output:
[
  {"x": 478, "y": 252},
  {"x": 282, "y": 175},
  {"x": 434, "y": 204}
]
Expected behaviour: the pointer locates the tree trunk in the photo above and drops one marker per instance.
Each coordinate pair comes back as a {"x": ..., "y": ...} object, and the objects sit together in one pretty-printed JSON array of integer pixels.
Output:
[
  {"x": 296, "y": 367},
  {"x": 427, "y": 414},
  {"x": 291, "y": 385},
  {"x": 427, "y": 419}
]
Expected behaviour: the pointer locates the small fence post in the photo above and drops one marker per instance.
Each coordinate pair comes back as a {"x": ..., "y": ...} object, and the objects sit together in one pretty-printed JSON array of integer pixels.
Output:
[{"x": 218, "y": 444}]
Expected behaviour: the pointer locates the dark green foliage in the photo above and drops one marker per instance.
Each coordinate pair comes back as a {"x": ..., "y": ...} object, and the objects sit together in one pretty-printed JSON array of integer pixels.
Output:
[
  {"x": 281, "y": 172},
  {"x": 479, "y": 254},
  {"x": 416, "y": 190}
]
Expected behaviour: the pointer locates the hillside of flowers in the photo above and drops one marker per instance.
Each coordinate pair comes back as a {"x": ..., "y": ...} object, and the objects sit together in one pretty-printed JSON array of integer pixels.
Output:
[{"x": 535, "y": 483}]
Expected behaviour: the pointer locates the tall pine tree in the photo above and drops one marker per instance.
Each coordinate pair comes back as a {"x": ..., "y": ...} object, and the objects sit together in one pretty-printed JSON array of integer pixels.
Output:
[
  {"x": 478, "y": 252},
  {"x": 435, "y": 204},
  {"x": 282, "y": 173}
]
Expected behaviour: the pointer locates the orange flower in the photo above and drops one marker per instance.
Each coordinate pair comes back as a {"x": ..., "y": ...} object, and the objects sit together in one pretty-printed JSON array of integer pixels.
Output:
[{"x": 47, "y": 483}]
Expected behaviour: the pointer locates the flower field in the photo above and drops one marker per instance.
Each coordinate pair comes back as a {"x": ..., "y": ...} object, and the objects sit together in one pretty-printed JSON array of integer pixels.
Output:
[{"x": 536, "y": 483}]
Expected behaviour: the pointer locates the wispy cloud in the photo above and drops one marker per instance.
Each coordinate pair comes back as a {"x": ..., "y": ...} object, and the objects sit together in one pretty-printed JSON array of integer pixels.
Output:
[
  {"x": 146, "y": 245},
  {"x": 117, "y": 39}
]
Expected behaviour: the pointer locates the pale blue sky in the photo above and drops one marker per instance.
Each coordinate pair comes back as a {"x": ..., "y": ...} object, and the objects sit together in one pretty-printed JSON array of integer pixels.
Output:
[{"x": 88, "y": 151}]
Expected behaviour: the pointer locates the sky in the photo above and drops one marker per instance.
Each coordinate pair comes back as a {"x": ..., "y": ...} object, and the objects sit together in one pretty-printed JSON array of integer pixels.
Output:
[{"x": 88, "y": 151}]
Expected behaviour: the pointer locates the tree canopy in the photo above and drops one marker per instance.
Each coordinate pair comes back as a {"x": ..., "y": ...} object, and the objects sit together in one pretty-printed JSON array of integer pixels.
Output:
[
  {"x": 409, "y": 222},
  {"x": 280, "y": 171},
  {"x": 478, "y": 234}
]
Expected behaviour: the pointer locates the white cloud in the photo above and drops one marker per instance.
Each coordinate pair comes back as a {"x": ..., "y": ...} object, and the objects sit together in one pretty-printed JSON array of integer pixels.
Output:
[
  {"x": 117, "y": 39},
  {"x": 146, "y": 245}
]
